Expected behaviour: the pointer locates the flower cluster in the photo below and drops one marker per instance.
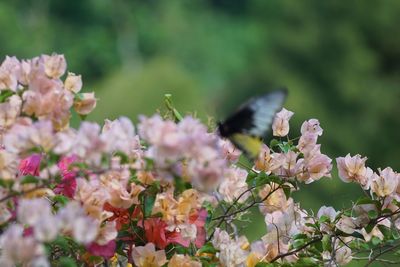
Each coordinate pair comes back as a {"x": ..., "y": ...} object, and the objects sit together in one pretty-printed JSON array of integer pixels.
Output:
[{"x": 167, "y": 192}]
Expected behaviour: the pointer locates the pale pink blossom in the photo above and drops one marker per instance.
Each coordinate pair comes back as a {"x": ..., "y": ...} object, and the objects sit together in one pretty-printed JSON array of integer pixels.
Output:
[
  {"x": 8, "y": 165},
  {"x": 54, "y": 65},
  {"x": 73, "y": 82},
  {"x": 148, "y": 256},
  {"x": 274, "y": 199},
  {"x": 385, "y": 183},
  {"x": 74, "y": 220},
  {"x": 9, "y": 111},
  {"x": 9, "y": 72},
  {"x": 284, "y": 164},
  {"x": 231, "y": 252},
  {"x": 352, "y": 169},
  {"x": 314, "y": 166},
  {"x": 263, "y": 161},
  {"x": 41, "y": 207},
  {"x": 23, "y": 137},
  {"x": 93, "y": 196},
  {"x": 119, "y": 135},
  {"x": 232, "y": 154},
  {"x": 25, "y": 69},
  {"x": 280, "y": 126},
  {"x": 234, "y": 185},
  {"x": 347, "y": 224},
  {"x": 311, "y": 126},
  {"x": 375, "y": 232},
  {"x": 107, "y": 232},
  {"x": 86, "y": 143},
  {"x": 19, "y": 250}
]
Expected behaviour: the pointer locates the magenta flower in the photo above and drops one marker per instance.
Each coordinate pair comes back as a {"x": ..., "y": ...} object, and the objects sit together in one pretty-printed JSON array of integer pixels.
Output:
[
  {"x": 30, "y": 165},
  {"x": 106, "y": 251},
  {"x": 67, "y": 186}
]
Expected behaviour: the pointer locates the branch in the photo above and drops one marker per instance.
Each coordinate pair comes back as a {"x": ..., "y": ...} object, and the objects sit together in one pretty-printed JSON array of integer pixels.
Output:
[{"x": 296, "y": 250}]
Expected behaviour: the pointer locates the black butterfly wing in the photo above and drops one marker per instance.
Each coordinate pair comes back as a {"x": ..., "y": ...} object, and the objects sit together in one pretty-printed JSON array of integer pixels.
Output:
[
  {"x": 246, "y": 127},
  {"x": 255, "y": 116}
]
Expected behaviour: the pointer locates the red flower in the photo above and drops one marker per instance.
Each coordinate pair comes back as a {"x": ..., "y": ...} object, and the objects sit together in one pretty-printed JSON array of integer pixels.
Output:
[
  {"x": 198, "y": 219},
  {"x": 106, "y": 251},
  {"x": 67, "y": 186},
  {"x": 155, "y": 232},
  {"x": 30, "y": 165},
  {"x": 121, "y": 216}
]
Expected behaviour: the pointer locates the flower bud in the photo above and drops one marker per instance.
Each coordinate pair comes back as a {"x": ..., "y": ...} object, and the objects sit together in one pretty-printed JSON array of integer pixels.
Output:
[{"x": 85, "y": 103}]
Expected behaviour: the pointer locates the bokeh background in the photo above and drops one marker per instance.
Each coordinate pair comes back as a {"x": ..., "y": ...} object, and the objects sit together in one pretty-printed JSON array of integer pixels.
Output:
[{"x": 339, "y": 59}]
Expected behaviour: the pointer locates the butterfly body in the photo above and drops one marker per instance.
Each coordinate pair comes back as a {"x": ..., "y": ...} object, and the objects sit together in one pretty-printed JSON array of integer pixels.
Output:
[{"x": 252, "y": 121}]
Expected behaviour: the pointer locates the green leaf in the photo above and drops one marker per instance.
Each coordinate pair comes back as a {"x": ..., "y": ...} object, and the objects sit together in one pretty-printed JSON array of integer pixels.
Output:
[
  {"x": 66, "y": 262},
  {"x": 149, "y": 201},
  {"x": 372, "y": 214},
  {"x": 375, "y": 241},
  {"x": 62, "y": 242},
  {"x": 207, "y": 248},
  {"x": 326, "y": 243},
  {"x": 298, "y": 243},
  {"x": 5, "y": 94},
  {"x": 287, "y": 190},
  {"x": 29, "y": 179},
  {"x": 274, "y": 143},
  {"x": 300, "y": 236},
  {"x": 306, "y": 262},
  {"x": 324, "y": 219},
  {"x": 63, "y": 200}
]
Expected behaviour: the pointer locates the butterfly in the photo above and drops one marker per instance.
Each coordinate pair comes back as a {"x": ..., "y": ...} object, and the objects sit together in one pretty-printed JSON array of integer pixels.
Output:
[{"x": 252, "y": 121}]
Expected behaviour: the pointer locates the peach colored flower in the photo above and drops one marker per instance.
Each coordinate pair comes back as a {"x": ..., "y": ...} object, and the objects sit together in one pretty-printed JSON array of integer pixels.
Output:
[
  {"x": 231, "y": 153},
  {"x": 280, "y": 126},
  {"x": 234, "y": 185},
  {"x": 147, "y": 256},
  {"x": 9, "y": 111},
  {"x": 352, "y": 169},
  {"x": 275, "y": 199},
  {"x": 385, "y": 183},
  {"x": 8, "y": 165},
  {"x": 54, "y": 65},
  {"x": 9, "y": 72},
  {"x": 73, "y": 82},
  {"x": 179, "y": 260},
  {"x": 84, "y": 103},
  {"x": 263, "y": 160}
]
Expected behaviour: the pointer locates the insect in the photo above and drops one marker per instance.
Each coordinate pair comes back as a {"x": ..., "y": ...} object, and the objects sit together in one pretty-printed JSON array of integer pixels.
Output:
[{"x": 252, "y": 121}]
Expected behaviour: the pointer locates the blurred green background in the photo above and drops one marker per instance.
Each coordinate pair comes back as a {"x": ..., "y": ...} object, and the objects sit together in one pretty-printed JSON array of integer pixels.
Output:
[{"x": 339, "y": 59}]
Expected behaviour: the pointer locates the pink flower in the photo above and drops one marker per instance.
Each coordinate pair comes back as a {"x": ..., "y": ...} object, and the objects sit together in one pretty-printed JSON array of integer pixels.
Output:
[
  {"x": 8, "y": 165},
  {"x": 106, "y": 251},
  {"x": 234, "y": 185},
  {"x": 73, "y": 82},
  {"x": 9, "y": 111},
  {"x": 311, "y": 126},
  {"x": 9, "y": 72},
  {"x": 385, "y": 183},
  {"x": 352, "y": 169},
  {"x": 30, "y": 165},
  {"x": 280, "y": 126},
  {"x": 147, "y": 255},
  {"x": 67, "y": 186},
  {"x": 54, "y": 65}
]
